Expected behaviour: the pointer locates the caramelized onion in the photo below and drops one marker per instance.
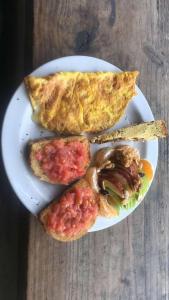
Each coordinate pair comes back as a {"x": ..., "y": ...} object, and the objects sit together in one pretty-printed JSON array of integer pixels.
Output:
[
  {"x": 92, "y": 178},
  {"x": 102, "y": 155},
  {"x": 106, "y": 209}
]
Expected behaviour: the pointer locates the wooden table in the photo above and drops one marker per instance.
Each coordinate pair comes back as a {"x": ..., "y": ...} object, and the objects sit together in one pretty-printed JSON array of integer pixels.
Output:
[{"x": 129, "y": 261}]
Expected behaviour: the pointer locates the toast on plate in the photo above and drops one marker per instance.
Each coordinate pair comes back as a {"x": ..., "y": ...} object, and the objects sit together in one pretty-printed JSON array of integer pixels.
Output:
[
  {"x": 60, "y": 160},
  {"x": 71, "y": 216}
]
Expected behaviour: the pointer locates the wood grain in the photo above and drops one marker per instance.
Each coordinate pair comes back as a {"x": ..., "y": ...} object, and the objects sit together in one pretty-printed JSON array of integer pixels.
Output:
[{"x": 130, "y": 260}]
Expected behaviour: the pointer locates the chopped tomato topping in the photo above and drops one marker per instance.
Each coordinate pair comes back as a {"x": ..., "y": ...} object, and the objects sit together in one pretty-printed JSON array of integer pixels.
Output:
[
  {"x": 74, "y": 212},
  {"x": 63, "y": 162}
]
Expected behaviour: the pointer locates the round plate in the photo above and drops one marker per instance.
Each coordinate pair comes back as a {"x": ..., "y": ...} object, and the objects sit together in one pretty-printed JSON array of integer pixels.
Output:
[{"x": 18, "y": 129}]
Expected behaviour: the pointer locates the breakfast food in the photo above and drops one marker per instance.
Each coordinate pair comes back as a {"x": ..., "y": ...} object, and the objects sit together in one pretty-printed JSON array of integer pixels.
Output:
[
  {"x": 60, "y": 160},
  {"x": 73, "y": 214},
  {"x": 120, "y": 178},
  {"x": 117, "y": 180},
  {"x": 75, "y": 102},
  {"x": 143, "y": 131}
]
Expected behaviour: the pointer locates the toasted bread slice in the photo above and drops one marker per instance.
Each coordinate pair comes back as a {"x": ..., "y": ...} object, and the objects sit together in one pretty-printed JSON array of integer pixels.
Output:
[
  {"x": 45, "y": 213},
  {"x": 35, "y": 146},
  {"x": 144, "y": 131}
]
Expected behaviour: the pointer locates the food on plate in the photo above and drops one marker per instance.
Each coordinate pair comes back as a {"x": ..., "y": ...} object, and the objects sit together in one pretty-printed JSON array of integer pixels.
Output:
[
  {"x": 73, "y": 214},
  {"x": 60, "y": 160},
  {"x": 120, "y": 177},
  {"x": 143, "y": 131},
  {"x": 75, "y": 102}
]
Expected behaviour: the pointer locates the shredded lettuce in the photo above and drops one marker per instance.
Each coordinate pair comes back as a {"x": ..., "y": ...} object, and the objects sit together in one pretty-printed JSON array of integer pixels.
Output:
[{"x": 133, "y": 199}]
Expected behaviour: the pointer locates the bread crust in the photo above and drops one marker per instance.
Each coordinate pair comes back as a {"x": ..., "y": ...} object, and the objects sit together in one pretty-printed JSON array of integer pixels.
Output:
[
  {"x": 137, "y": 132},
  {"x": 38, "y": 144},
  {"x": 43, "y": 217}
]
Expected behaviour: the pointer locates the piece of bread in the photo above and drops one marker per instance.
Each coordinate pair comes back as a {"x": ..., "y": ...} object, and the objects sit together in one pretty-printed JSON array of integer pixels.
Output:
[
  {"x": 44, "y": 214},
  {"x": 39, "y": 144},
  {"x": 138, "y": 132},
  {"x": 75, "y": 102}
]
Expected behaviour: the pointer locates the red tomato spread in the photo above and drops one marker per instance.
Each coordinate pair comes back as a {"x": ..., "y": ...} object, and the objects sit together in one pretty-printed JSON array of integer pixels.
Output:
[
  {"x": 63, "y": 162},
  {"x": 74, "y": 212}
]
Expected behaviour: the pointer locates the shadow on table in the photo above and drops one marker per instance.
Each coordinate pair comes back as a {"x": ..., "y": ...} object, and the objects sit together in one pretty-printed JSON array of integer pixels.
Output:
[
  {"x": 13, "y": 243},
  {"x": 15, "y": 61}
]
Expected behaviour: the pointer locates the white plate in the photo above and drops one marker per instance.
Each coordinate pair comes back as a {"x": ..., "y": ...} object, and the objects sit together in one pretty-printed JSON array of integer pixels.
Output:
[{"x": 18, "y": 129}]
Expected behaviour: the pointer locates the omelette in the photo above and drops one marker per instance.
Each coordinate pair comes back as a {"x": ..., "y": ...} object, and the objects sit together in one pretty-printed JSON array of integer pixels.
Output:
[{"x": 76, "y": 102}]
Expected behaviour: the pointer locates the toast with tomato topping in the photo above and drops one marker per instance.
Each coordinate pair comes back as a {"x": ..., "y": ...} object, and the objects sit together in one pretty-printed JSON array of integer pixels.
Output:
[
  {"x": 70, "y": 217},
  {"x": 60, "y": 160}
]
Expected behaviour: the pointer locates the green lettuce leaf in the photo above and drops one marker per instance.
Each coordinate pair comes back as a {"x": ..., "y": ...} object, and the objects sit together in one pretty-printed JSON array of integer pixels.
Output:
[
  {"x": 133, "y": 199},
  {"x": 115, "y": 200}
]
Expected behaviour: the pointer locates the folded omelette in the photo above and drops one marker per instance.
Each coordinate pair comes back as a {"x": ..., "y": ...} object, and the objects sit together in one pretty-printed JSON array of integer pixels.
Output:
[{"x": 75, "y": 102}]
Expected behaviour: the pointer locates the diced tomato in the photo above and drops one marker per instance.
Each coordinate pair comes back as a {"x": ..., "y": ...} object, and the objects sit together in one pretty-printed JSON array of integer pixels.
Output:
[
  {"x": 73, "y": 212},
  {"x": 63, "y": 162},
  {"x": 39, "y": 155},
  {"x": 49, "y": 149},
  {"x": 47, "y": 166}
]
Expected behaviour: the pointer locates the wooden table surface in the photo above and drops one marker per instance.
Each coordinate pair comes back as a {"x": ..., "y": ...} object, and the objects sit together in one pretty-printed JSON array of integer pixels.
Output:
[{"x": 129, "y": 261}]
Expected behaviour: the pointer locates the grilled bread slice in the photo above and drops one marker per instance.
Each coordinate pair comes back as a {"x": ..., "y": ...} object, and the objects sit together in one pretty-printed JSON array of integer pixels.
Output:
[
  {"x": 72, "y": 214},
  {"x": 144, "y": 131},
  {"x": 75, "y": 102},
  {"x": 41, "y": 165}
]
